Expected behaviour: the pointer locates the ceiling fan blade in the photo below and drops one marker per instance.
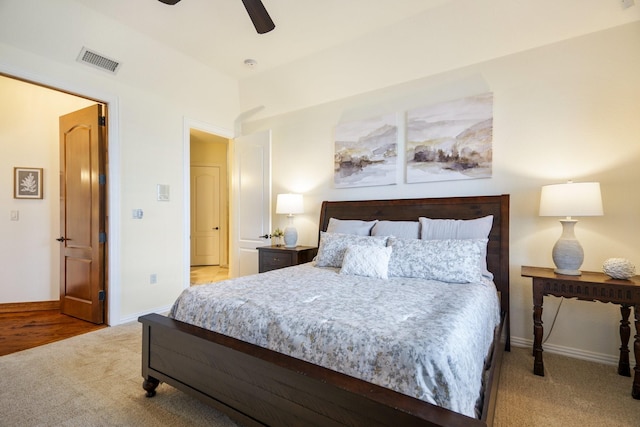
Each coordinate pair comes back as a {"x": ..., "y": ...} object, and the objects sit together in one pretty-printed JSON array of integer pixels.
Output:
[
  {"x": 259, "y": 16},
  {"x": 256, "y": 10}
]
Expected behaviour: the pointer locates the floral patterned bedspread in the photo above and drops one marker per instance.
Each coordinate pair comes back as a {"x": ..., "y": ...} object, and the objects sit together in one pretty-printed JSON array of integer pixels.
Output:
[{"x": 423, "y": 338}]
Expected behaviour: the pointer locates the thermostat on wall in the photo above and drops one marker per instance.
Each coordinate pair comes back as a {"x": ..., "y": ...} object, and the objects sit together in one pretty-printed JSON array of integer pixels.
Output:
[{"x": 163, "y": 193}]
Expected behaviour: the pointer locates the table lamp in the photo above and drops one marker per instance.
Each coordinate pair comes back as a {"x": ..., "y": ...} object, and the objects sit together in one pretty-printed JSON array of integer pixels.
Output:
[
  {"x": 569, "y": 200},
  {"x": 289, "y": 204}
]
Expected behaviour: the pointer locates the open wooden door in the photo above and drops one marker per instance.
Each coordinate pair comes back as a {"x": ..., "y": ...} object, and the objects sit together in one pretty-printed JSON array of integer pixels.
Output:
[{"x": 82, "y": 214}]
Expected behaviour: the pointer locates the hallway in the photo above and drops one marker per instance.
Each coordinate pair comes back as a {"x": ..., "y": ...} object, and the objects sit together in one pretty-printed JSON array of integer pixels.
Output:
[{"x": 201, "y": 274}]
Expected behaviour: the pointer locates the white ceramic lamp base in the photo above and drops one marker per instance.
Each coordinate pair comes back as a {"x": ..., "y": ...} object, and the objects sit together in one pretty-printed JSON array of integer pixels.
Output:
[
  {"x": 290, "y": 234},
  {"x": 290, "y": 237},
  {"x": 567, "y": 252}
]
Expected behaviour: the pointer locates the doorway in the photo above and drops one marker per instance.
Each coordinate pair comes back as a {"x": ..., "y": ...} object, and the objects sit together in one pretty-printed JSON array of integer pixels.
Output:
[
  {"x": 30, "y": 137},
  {"x": 209, "y": 207}
]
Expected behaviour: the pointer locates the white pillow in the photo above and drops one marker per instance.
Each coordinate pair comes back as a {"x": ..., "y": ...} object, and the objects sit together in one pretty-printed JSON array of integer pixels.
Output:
[
  {"x": 452, "y": 261},
  {"x": 369, "y": 261},
  {"x": 402, "y": 229},
  {"x": 333, "y": 246},
  {"x": 439, "y": 229},
  {"x": 350, "y": 226}
]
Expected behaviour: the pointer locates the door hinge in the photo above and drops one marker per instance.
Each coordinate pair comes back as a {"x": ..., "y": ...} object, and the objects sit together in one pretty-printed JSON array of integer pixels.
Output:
[
  {"x": 102, "y": 120},
  {"x": 102, "y": 179},
  {"x": 102, "y": 237},
  {"x": 101, "y": 295}
]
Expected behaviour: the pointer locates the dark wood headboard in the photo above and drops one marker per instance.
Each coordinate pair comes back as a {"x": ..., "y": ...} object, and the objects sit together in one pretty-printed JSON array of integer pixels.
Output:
[{"x": 439, "y": 208}]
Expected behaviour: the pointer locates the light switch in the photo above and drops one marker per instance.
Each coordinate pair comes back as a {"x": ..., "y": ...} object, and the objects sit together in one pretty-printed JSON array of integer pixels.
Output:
[
  {"x": 137, "y": 214},
  {"x": 15, "y": 215},
  {"x": 163, "y": 193}
]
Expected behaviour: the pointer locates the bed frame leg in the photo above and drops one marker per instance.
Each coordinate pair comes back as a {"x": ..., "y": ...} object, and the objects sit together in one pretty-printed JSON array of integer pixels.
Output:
[{"x": 150, "y": 384}]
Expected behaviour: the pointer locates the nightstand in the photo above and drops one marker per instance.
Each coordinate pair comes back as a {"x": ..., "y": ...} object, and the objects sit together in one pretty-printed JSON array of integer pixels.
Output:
[
  {"x": 274, "y": 257},
  {"x": 590, "y": 286}
]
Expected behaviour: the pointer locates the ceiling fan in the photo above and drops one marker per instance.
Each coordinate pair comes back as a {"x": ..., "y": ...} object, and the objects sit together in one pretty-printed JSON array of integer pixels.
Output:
[{"x": 256, "y": 10}]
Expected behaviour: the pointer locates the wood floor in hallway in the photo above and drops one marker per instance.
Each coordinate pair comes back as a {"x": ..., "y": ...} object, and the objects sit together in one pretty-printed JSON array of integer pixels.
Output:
[
  {"x": 24, "y": 330},
  {"x": 201, "y": 274}
]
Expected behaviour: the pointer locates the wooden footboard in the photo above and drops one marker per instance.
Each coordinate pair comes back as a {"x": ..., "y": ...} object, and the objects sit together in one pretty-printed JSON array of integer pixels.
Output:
[{"x": 256, "y": 386}]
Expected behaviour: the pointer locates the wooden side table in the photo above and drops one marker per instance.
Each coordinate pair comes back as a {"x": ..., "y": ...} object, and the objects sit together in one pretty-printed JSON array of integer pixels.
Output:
[
  {"x": 274, "y": 257},
  {"x": 590, "y": 286}
]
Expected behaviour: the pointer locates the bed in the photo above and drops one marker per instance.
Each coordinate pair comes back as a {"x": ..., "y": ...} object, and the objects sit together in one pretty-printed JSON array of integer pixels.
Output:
[{"x": 258, "y": 386}]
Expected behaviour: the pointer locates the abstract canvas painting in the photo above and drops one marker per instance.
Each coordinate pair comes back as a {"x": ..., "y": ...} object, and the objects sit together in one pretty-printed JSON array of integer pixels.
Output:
[
  {"x": 451, "y": 140},
  {"x": 366, "y": 152}
]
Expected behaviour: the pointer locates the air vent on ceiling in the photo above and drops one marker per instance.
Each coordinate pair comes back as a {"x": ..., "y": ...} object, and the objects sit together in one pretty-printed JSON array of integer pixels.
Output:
[{"x": 98, "y": 60}]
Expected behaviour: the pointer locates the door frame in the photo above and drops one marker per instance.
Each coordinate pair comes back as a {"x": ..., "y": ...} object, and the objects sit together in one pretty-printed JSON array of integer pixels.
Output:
[
  {"x": 186, "y": 138},
  {"x": 112, "y": 314}
]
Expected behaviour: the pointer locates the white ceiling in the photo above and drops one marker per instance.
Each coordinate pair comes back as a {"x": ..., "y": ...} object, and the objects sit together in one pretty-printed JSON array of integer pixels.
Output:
[{"x": 220, "y": 34}]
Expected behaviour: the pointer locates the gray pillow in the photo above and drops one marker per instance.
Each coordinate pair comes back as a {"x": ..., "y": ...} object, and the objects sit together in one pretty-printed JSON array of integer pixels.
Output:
[
  {"x": 333, "y": 246},
  {"x": 350, "y": 226},
  {"x": 402, "y": 229},
  {"x": 446, "y": 260},
  {"x": 439, "y": 229}
]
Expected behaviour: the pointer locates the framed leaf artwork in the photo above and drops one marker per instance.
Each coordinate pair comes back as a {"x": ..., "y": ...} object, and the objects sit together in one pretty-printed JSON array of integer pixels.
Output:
[{"x": 27, "y": 183}]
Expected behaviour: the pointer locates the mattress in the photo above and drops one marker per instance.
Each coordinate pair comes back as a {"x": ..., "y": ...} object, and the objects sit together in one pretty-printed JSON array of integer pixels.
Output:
[{"x": 423, "y": 338}]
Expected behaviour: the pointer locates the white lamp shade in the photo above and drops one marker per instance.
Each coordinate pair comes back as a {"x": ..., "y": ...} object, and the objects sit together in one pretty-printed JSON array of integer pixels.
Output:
[
  {"x": 289, "y": 204},
  {"x": 571, "y": 199}
]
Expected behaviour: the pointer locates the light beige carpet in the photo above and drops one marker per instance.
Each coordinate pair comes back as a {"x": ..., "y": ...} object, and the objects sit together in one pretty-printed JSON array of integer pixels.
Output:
[
  {"x": 572, "y": 393},
  {"x": 94, "y": 380}
]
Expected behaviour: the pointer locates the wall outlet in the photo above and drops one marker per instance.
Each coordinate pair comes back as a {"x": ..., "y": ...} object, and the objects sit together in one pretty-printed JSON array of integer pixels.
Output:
[{"x": 153, "y": 279}]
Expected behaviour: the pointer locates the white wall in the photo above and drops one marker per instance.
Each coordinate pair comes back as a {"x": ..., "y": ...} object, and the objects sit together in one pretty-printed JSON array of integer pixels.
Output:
[
  {"x": 149, "y": 99},
  {"x": 29, "y": 138},
  {"x": 569, "y": 110}
]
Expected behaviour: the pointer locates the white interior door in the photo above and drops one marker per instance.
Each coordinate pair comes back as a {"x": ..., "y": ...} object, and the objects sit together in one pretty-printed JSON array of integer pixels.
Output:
[
  {"x": 206, "y": 226},
  {"x": 251, "y": 213}
]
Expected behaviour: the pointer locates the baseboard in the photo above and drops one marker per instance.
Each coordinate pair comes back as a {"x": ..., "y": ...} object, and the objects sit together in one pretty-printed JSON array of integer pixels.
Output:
[
  {"x": 134, "y": 317},
  {"x": 575, "y": 353},
  {"x": 17, "y": 307}
]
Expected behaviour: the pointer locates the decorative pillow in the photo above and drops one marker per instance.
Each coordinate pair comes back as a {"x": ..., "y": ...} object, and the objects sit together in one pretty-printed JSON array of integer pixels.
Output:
[
  {"x": 402, "y": 229},
  {"x": 350, "y": 226},
  {"x": 452, "y": 261},
  {"x": 440, "y": 229},
  {"x": 370, "y": 261},
  {"x": 333, "y": 246}
]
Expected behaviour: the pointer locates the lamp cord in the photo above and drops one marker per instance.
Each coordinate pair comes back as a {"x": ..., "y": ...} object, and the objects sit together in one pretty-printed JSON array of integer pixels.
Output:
[{"x": 554, "y": 321}]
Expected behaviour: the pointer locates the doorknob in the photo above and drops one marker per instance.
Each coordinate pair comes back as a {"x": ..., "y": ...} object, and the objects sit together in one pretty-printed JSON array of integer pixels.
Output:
[
  {"x": 61, "y": 239},
  {"x": 216, "y": 228},
  {"x": 266, "y": 236}
]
